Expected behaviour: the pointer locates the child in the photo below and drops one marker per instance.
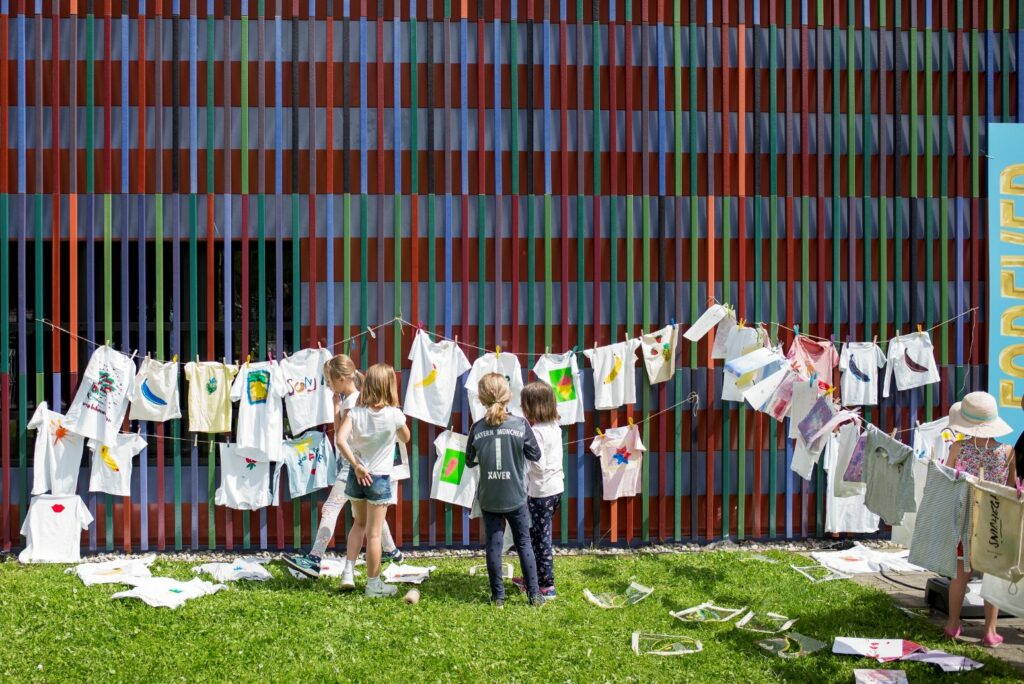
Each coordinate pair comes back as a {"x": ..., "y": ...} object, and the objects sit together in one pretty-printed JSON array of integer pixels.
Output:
[
  {"x": 501, "y": 444},
  {"x": 345, "y": 382},
  {"x": 545, "y": 481},
  {"x": 978, "y": 454},
  {"x": 367, "y": 441}
]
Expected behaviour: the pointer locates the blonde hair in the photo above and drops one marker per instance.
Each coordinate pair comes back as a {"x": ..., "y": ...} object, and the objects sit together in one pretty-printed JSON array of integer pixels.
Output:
[
  {"x": 341, "y": 367},
  {"x": 539, "y": 403},
  {"x": 494, "y": 394},
  {"x": 380, "y": 387}
]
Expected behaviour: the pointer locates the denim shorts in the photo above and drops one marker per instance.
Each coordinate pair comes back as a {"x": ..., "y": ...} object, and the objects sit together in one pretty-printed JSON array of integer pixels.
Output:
[{"x": 377, "y": 494}]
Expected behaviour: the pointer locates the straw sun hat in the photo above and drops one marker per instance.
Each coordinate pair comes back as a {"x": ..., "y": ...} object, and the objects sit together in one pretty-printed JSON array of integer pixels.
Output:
[{"x": 978, "y": 416}]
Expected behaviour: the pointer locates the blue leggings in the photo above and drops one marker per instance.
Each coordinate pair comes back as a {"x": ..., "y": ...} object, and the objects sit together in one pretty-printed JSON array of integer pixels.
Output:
[{"x": 494, "y": 526}]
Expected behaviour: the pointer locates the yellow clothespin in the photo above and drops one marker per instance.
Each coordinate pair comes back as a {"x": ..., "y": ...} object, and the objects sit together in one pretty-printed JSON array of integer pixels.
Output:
[
  {"x": 248, "y": 358},
  {"x": 830, "y": 390},
  {"x": 599, "y": 433},
  {"x": 742, "y": 323},
  {"x": 629, "y": 419},
  {"x": 919, "y": 329},
  {"x": 174, "y": 359},
  {"x": 497, "y": 352}
]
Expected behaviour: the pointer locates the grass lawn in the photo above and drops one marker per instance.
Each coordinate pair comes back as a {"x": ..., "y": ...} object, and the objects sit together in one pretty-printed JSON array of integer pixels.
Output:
[{"x": 54, "y": 628}]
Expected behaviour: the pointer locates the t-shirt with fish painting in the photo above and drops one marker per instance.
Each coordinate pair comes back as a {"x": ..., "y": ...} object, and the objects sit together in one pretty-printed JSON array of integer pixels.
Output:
[
  {"x": 614, "y": 374},
  {"x": 258, "y": 389},
  {"x": 308, "y": 399},
  {"x": 620, "y": 452},
  {"x": 112, "y": 464},
  {"x": 562, "y": 373},
  {"x": 436, "y": 367},
  {"x": 101, "y": 401},
  {"x": 859, "y": 363},
  {"x": 53, "y": 529},
  {"x": 209, "y": 396}
]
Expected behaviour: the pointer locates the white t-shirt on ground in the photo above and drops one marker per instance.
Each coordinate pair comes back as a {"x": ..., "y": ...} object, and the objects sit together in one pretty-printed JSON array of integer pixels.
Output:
[
  {"x": 308, "y": 399},
  {"x": 506, "y": 365},
  {"x": 53, "y": 529},
  {"x": 209, "y": 396},
  {"x": 167, "y": 592},
  {"x": 614, "y": 374},
  {"x": 101, "y": 401},
  {"x": 620, "y": 452},
  {"x": 373, "y": 437},
  {"x": 155, "y": 396},
  {"x": 452, "y": 482},
  {"x": 58, "y": 453},
  {"x": 258, "y": 389},
  {"x": 659, "y": 352},
  {"x": 545, "y": 477},
  {"x": 436, "y": 366},
  {"x": 562, "y": 373},
  {"x": 859, "y": 363},
  {"x": 244, "y": 478},
  {"x": 112, "y": 464}
]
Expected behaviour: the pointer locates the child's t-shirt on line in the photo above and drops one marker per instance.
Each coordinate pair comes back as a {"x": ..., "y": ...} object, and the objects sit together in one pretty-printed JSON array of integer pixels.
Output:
[
  {"x": 911, "y": 359},
  {"x": 506, "y": 365},
  {"x": 373, "y": 437},
  {"x": 101, "y": 401},
  {"x": 258, "y": 389},
  {"x": 614, "y": 374},
  {"x": 308, "y": 399},
  {"x": 562, "y": 373},
  {"x": 452, "y": 481},
  {"x": 112, "y": 464},
  {"x": 501, "y": 452},
  {"x": 155, "y": 396},
  {"x": 209, "y": 396},
  {"x": 311, "y": 463},
  {"x": 659, "y": 352},
  {"x": 58, "y": 453},
  {"x": 859, "y": 363},
  {"x": 53, "y": 529},
  {"x": 620, "y": 452},
  {"x": 436, "y": 367},
  {"x": 814, "y": 355},
  {"x": 545, "y": 477},
  {"x": 244, "y": 478}
]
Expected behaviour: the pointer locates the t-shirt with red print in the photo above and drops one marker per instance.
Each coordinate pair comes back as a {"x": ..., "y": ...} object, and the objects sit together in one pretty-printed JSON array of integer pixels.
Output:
[{"x": 819, "y": 356}]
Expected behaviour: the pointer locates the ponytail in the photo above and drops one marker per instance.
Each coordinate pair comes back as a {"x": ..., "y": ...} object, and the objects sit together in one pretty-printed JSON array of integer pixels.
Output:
[{"x": 494, "y": 394}]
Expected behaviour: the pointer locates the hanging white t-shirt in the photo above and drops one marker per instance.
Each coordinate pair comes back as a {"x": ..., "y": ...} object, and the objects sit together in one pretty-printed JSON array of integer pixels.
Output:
[
  {"x": 308, "y": 399},
  {"x": 452, "y": 482},
  {"x": 167, "y": 592},
  {"x": 912, "y": 360},
  {"x": 53, "y": 529},
  {"x": 844, "y": 514},
  {"x": 563, "y": 374},
  {"x": 504, "y": 364},
  {"x": 155, "y": 396},
  {"x": 436, "y": 366},
  {"x": 805, "y": 394},
  {"x": 620, "y": 452},
  {"x": 373, "y": 437},
  {"x": 614, "y": 374},
  {"x": 859, "y": 363},
  {"x": 546, "y": 477},
  {"x": 209, "y": 396},
  {"x": 814, "y": 356},
  {"x": 310, "y": 461},
  {"x": 743, "y": 341},
  {"x": 258, "y": 389},
  {"x": 244, "y": 478},
  {"x": 101, "y": 402},
  {"x": 58, "y": 453},
  {"x": 659, "y": 351},
  {"x": 112, "y": 464}
]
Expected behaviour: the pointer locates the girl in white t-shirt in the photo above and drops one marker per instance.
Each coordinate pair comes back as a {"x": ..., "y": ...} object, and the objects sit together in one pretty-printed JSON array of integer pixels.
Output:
[
  {"x": 345, "y": 382},
  {"x": 367, "y": 441}
]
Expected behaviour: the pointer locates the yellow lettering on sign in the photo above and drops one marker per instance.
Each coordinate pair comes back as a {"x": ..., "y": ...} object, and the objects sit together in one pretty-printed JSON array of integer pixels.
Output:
[
  {"x": 1007, "y": 183},
  {"x": 1008, "y": 284},
  {"x": 1009, "y": 323},
  {"x": 1006, "y": 397},
  {"x": 1008, "y": 360},
  {"x": 1009, "y": 220}
]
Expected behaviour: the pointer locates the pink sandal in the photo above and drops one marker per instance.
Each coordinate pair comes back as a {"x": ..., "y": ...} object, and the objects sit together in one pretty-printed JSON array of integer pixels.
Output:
[
  {"x": 955, "y": 634},
  {"x": 991, "y": 641}
]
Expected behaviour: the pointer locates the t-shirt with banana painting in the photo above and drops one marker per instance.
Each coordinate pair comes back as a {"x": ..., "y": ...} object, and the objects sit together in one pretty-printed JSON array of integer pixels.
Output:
[
  {"x": 112, "y": 463},
  {"x": 614, "y": 374},
  {"x": 436, "y": 367}
]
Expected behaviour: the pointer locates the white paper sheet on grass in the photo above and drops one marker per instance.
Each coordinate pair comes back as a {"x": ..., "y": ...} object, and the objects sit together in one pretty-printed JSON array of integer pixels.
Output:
[
  {"x": 113, "y": 572},
  {"x": 861, "y": 560},
  {"x": 863, "y": 676},
  {"x": 507, "y": 571},
  {"x": 407, "y": 574},
  {"x": 882, "y": 650}
]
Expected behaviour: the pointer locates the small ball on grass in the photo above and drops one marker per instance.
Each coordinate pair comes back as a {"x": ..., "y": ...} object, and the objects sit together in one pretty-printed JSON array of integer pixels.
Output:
[{"x": 412, "y": 596}]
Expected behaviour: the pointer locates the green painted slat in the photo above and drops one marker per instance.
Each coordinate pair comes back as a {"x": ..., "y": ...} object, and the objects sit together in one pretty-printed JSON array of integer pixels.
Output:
[
  {"x": 726, "y": 411},
  {"x": 297, "y": 344},
  {"x": 929, "y": 190},
  {"x": 773, "y": 230},
  {"x": 548, "y": 272},
  {"x": 645, "y": 499},
  {"x": 677, "y": 79},
  {"x": 414, "y": 451},
  {"x": 108, "y": 317},
  {"x": 944, "y": 194}
]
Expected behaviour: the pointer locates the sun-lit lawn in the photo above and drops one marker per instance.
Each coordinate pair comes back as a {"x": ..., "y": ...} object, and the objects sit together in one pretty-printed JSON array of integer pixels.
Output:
[{"x": 54, "y": 628}]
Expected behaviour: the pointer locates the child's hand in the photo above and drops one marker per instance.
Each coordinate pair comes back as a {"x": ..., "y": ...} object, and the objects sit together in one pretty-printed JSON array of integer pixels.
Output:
[{"x": 363, "y": 475}]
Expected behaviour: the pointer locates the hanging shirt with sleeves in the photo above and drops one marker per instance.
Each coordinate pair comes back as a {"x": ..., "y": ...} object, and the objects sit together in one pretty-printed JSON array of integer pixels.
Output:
[
  {"x": 506, "y": 365},
  {"x": 931, "y": 441},
  {"x": 814, "y": 355},
  {"x": 562, "y": 373},
  {"x": 436, "y": 367},
  {"x": 501, "y": 452},
  {"x": 889, "y": 476},
  {"x": 943, "y": 522},
  {"x": 258, "y": 389},
  {"x": 545, "y": 477},
  {"x": 659, "y": 353},
  {"x": 620, "y": 452},
  {"x": 209, "y": 396},
  {"x": 452, "y": 480},
  {"x": 308, "y": 399},
  {"x": 849, "y": 435},
  {"x": 912, "y": 360},
  {"x": 805, "y": 395},
  {"x": 101, "y": 402},
  {"x": 310, "y": 461},
  {"x": 112, "y": 464},
  {"x": 58, "y": 453},
  {"x": 244, "y": 478},
  {"x": 844, "y": 514},
  {"x": 859, "y": 363},
  {"x": 53, "y": 529},
  {"x": 614, "y": 374},
  {"x": 373, "y": 437},
  {"x": 155, "y": 395}
]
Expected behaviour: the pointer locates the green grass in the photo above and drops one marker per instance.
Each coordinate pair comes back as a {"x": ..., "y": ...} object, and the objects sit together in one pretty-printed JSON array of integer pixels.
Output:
[{"x": 54, "y": 628}]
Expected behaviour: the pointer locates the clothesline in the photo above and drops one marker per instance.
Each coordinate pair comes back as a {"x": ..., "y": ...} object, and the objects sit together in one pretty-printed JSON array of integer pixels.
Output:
[
  {"x": 693, "y": 398},
  {"x": 827, "y": 339}
]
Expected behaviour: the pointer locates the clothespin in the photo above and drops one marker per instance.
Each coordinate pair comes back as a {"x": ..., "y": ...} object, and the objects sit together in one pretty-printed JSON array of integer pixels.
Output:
[
  {"x": 672, "y": 321},
  {"x": 197, "y": 358},
  {"x": 174, "y": 359},
  {"x": 742, "y": 323},
  {"x": 894, "y": 431},
  {"x": 318, "y": 345},
  {"x": 195, "y": 440},
  {"x": 547, "y": 350},
  {"x": 497, "y": 352},
  {"x": 874, "y": 340},
  {"x": 599, "y": 433},
  {"x": 134, "y": 354},
  {"x": 270, "y": 357},
  {"x": 629, "y": 419},
  {"x": 108, "y": 343},
  {"x": 248, "y": 359},
  {"x": 830, "y": 390},
  {"x": 796, "y": 329},
  {"x": 919, "y": 328},
  {"x": 372, "y": 334},
  {"x": 224, "y": 360}
]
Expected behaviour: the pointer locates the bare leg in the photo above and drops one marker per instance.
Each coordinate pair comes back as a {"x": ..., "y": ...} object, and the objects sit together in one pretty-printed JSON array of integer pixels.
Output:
[
  {"x": 991, "y": 615},
  {"x": 355, "y": 535},
  {"x": 957, "y": 590},
  {"x": 374, "y": 520}
]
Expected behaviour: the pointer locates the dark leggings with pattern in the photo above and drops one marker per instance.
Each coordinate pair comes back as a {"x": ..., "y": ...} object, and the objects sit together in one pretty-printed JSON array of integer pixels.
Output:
[{"x": 541, "y": 512}]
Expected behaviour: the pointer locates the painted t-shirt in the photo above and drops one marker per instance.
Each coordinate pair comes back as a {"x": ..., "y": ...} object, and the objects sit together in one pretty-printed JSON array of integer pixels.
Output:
[
  {"x": 436, "y": 367},
  {"x": 311, "y": 463},
  {"x": 167, "y": 592},
  {"x": 659, "y": 352},
  {"x": 101, "y": 402},
  {"x": 209, "y": 396},
  {"x": 58, "y": 453},
  {"x": 814, "y": 355},
  {"x": 911, "y": 359},
  {"x": 112, "y": 464},
  {"x": 155, "y": 396},
  {"x": 620, "y": 452},
  {"x": 258, "y": 389},
  {"x": 308, "y": 399},
  {"x": 859, "y": 363},
  {"x": 844, "y": 514},
  {"x": 563, "y": 374},
  {"x": 373, "y": 437},
  {"x": 244, "y": 478},
  {"x": 614, "y": 375},
  {"x": 53, "y": 529},
  {"x": 506, "y": 365},
  {"x": 451, "y": 481}
]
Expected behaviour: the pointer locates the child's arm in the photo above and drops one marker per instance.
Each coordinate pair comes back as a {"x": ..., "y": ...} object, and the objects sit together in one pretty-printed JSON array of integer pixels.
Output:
[
  {"x": 954, "y": 453},
  {"x": 470, "y": 451},
  {"x": 361, "y": 473},
  {"x": 530, "y": 447},
  {"x": 403, "y": 434}
]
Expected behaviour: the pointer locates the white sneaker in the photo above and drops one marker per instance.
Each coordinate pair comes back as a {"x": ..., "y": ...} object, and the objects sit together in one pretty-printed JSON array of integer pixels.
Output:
[
  {"x": 347, "y": 579},
  {"x": 380, "y": 589}
]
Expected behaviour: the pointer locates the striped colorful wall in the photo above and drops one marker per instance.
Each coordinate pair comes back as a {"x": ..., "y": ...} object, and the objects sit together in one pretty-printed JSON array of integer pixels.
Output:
[{"x": 219, "y": 179}]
